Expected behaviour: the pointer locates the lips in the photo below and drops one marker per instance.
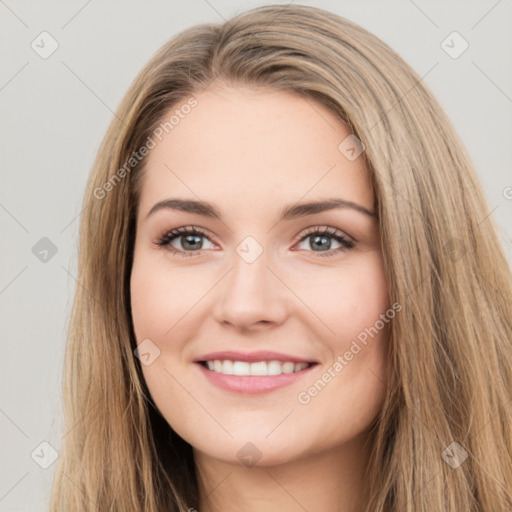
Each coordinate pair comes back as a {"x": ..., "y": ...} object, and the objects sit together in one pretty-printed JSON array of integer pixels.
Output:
[{"x": 254, "y": 372}]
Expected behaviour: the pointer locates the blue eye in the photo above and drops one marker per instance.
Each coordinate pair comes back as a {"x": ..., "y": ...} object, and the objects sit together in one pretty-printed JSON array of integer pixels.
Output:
[
  {"x": 320, "y": 237},
  {"x": 192, "y": 238}
]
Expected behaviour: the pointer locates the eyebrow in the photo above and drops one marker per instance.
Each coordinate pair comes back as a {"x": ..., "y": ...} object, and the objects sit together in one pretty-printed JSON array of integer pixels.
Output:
[{"x": 288, "y": 213}]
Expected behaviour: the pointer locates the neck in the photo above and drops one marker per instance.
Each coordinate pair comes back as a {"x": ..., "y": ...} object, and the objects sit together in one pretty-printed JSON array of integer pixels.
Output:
[{"x": 332, "y": 480}]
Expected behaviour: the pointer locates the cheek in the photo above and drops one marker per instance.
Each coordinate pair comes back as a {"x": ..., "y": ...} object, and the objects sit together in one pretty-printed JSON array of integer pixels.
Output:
[
  {"x": 359, "y": 314},
  {"x": 349, "y": 392},
  {"x": 160, "y": 298},
  {"x": 147, "y": 300},
  {"x": 161, "y": 295},
  {"x": 353, "y": 301}
]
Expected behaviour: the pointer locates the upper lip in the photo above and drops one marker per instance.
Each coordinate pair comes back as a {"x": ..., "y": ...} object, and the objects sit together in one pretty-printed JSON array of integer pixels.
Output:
[{"x": 260, "y": 355}]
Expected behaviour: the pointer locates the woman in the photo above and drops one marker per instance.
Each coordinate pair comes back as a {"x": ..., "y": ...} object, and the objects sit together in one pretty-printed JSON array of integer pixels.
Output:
[{"x": 219, "y": 357}]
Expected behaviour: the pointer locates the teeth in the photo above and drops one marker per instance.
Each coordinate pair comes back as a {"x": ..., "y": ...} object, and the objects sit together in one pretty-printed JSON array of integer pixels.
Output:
[
  {"x": 259, "y": 368},
  {"x": 240, "y": 368},
  {"x": 262, "y": 368}
]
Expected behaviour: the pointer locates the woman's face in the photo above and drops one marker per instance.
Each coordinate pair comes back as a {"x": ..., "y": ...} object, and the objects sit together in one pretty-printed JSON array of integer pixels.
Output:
[{"x": 249, "y": 286}]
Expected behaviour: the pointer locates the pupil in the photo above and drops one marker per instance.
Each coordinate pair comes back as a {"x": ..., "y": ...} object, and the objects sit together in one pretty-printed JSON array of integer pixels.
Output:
[
  {"x": 189, "y": 237},
  {"x": 318, "y": 238}
]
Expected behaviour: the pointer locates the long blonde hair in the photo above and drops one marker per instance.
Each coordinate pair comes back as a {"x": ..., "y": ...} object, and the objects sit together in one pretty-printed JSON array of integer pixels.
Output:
[{"x": 450, "y": 378}]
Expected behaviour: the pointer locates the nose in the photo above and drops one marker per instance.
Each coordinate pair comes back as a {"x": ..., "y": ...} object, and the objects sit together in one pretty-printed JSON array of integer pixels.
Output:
[{"x": 251, "y": 296}]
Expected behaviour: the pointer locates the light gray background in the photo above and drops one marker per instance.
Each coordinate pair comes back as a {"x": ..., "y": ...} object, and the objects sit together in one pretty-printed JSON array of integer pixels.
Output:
[{"x": 55, "y": 112}]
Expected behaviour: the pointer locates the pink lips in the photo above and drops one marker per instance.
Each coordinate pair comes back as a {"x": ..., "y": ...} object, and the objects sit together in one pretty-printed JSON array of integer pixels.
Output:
[
  {"x": 252, "y": 384},
  {"x": 250, "y": 357}
]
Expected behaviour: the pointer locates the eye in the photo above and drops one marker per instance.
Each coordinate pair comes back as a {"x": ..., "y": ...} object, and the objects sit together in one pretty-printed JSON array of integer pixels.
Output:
[
  {"x": 320, "y": 238},
  {"x": 190, "y": 239}
]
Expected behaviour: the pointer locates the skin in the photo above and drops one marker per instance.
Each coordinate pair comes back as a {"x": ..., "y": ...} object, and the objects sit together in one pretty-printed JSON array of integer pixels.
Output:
[{"x": 250, "y": 153}]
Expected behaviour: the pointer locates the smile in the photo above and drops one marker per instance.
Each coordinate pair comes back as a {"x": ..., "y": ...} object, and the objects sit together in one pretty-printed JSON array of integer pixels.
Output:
[{"x": 255, "y": 372}]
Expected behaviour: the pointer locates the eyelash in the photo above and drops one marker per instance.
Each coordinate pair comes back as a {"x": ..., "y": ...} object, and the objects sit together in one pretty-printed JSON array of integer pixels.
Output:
[{"x": 166, "y": 239}]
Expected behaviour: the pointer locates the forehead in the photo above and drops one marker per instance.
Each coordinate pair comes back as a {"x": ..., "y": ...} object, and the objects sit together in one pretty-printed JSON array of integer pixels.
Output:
[{"x": 246, "y": 148}]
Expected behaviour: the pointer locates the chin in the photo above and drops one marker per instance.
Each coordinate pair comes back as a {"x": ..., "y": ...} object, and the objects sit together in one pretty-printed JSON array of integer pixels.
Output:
[{"x": 252, "y": 454}]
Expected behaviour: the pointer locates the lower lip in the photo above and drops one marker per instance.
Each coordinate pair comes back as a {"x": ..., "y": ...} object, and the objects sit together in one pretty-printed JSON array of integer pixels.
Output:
[{"x": 252, "y": 384}]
